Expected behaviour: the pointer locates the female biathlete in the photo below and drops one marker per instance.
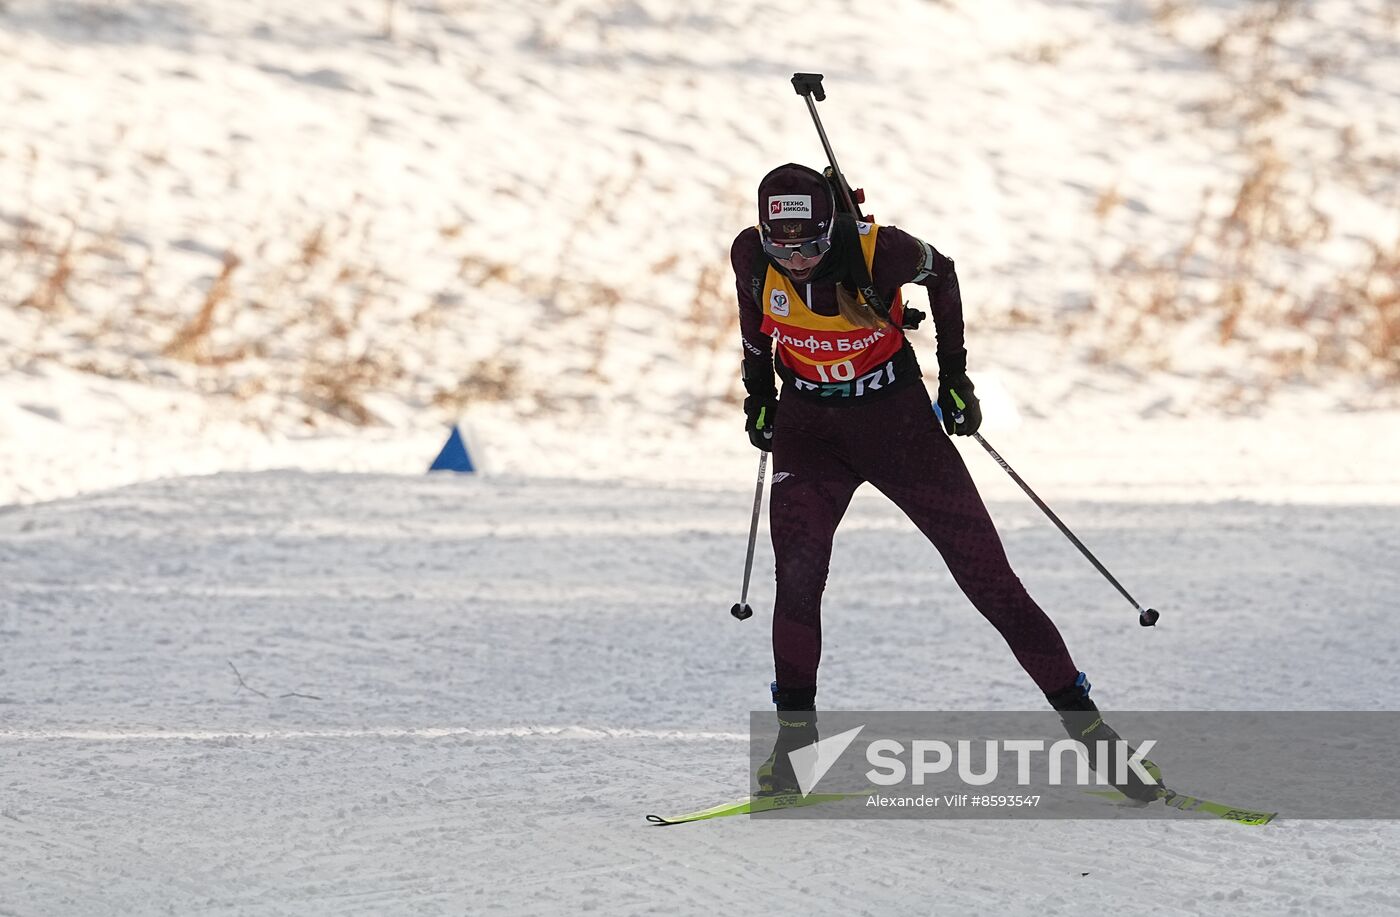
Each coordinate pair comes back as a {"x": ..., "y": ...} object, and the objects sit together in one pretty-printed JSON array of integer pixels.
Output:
[{"x": 854, "y": 409}]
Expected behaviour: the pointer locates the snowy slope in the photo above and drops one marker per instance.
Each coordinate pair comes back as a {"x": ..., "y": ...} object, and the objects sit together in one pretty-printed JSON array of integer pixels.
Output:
[
  {"x": 264, "y": 234},
  {"x": 485, "y": 739}
]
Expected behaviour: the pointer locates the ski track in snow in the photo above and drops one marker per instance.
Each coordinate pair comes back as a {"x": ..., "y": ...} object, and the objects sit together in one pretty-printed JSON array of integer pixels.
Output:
[{"x": 510, "y": 679}]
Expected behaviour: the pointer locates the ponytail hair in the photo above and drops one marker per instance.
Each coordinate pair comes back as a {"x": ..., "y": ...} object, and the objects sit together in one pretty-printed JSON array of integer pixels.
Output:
[{"x": 854, "y": 311}]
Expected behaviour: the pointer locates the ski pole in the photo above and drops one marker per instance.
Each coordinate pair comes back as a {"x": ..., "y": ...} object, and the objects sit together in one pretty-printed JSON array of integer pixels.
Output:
[
  {"x": 741, "y": 609},
  {"x": 1146, "y": 616}
]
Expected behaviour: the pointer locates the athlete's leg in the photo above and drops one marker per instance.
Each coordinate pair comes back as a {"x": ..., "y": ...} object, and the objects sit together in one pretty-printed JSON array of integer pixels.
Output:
[
  {"x": 812, "y": 486},
  {"x": 926, "y": 478}
]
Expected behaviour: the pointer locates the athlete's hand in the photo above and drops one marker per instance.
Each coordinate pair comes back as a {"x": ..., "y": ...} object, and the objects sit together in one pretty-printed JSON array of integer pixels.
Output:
[
  {"x": 957, "y": 401},
  {"x": 962, "y": 412},
  {"x": 760, "y": 412}
]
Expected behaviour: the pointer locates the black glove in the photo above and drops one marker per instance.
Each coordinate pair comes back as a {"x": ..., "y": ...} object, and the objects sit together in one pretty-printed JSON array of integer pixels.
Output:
[
  {"x": 962, "y": 412},
  {"x": 761, "y": 407},
  {"x": 760, "y": 412}
]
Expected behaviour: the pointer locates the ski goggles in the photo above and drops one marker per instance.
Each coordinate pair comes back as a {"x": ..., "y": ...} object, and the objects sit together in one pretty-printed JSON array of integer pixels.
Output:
[{"x": 812, "y": 248}]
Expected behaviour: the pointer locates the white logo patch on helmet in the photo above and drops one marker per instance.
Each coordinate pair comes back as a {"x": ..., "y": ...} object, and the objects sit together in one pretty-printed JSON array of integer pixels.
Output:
[{"x": 790, "y": 207}]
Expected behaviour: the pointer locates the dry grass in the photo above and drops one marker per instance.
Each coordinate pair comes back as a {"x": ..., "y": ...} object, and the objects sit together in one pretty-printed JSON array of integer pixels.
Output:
[
  {"x": 1048, "y": 53},
  {"x": 338, "y": 388},
  {"x": 711, "y": 335},
  {"x": 1166, "y": 13},
  {"x": 192, "y": 339},
  {"x": 492, "y": 379},
  {"x": 320, "y": 296},
  {"x": 1241, "y": 264},
  {"x": 1108, "y": 201},
  {"x": 51, "y": 295},
  {"x": 1363, "y": 311}
]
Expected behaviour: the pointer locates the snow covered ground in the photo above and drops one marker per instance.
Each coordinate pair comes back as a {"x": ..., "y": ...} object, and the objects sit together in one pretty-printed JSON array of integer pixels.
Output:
[{"x": 443, "y": 728}]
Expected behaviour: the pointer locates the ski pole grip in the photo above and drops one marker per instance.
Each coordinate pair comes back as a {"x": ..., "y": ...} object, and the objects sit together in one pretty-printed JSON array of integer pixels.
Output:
[{"x": 809, "y": 84}]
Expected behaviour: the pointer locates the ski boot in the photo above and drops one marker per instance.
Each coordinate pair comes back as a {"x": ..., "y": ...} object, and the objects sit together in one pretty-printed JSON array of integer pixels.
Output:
[
  {"x": 1082, "y": 721},
  {"x": 797, "y": 728}
]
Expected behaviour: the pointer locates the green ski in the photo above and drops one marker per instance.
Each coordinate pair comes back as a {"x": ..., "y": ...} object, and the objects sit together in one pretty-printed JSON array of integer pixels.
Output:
[
  {"x": 1229, "y": 813},
  {"x": 750, "y": 804},
  {"x": 1176, "y": 800}
]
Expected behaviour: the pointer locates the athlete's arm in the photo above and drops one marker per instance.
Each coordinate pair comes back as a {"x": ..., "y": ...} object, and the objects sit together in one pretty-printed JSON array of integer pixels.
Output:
[
  {"x": 901, "y": 258},
  {"x": 746, "y": 256}
]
